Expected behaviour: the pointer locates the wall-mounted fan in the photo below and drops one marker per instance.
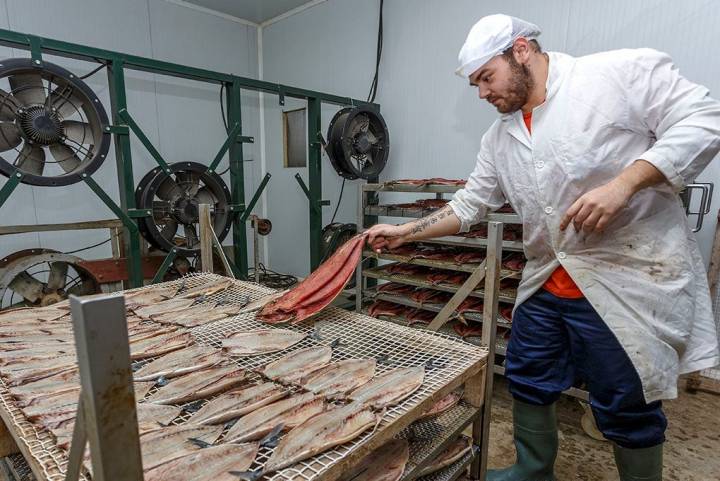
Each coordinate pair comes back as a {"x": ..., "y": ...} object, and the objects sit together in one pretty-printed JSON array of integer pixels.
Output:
[
  {"x": 175, "y": 199},
  {"x": 52, "y": 125},
  {"x": 358, "y": 143}
]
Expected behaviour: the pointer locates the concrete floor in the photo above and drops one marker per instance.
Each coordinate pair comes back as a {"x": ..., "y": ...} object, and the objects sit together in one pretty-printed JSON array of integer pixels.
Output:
[{"x": 692, "y": 450}]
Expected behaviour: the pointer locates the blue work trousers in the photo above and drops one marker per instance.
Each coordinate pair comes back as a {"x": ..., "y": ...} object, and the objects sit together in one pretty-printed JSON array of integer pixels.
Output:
[{"x": 558, "y": 342}]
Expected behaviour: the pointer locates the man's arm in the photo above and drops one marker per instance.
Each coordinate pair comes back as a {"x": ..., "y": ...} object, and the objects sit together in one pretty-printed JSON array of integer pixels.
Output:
[
  {"x": 440, "y": 223},
  {"x": 595, "y": 209}
]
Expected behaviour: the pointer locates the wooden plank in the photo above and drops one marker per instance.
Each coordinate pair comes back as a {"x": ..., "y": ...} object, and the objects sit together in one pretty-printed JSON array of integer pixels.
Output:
[
  {"x": 206, "y": 240},
  {"x": 386, "y": 433},
  {"x": 470, "y": 284},
  {"x": 25, "y": 228},
  {"x": 8, "y": 445}
]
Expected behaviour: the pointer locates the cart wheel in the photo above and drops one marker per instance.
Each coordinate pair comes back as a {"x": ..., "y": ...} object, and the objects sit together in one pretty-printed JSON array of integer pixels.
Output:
[{"x": 588, "y": 423}]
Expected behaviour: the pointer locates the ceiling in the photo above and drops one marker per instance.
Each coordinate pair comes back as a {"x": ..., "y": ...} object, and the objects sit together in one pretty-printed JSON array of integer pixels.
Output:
[{"x": 256, "y": 11}]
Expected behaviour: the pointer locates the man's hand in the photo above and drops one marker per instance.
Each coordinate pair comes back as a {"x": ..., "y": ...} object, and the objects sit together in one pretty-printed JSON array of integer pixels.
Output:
[
  {"x": 595, "y": 209},
  {"x": 386, "y": 236}
]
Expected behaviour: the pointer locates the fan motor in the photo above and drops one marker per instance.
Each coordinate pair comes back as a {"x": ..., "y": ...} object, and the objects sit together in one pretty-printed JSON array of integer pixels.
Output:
[{"x": 40, "y": 125}]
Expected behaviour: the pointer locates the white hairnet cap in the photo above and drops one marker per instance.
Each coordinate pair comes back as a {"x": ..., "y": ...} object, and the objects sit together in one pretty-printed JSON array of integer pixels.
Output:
[{"x": 491, "y": 36}]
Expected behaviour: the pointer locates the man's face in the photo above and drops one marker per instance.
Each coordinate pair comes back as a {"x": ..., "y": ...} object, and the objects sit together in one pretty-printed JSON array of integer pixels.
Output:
[{"x": 503, "y": 82}]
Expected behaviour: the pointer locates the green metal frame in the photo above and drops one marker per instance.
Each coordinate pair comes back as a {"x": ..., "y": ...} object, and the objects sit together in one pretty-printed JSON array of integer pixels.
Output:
[{"x": 123, "y": 123}]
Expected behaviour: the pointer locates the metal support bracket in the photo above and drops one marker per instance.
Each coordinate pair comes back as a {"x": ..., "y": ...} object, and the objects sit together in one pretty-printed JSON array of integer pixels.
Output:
[
  {"x": 35, "y": 49},
  {"x": 244, "y": 139},
  {"x": 281, "y": 95},
  {"x": 468, "y": 286},
  {"x": 316, "y": 208},
  {"x": 208, "y": 241},
  {"x": 169, "y": 259},
  {"x": 139, "y": 213},
  {"x": 129, "y": 223},
  {"x": 117, "y": 129},
  {"x": 107, "y": 416},
  {"x": 232, "y": 137},
  {"x": 125, "y": 115},
  {"x": 248, "y": 210},
  {"x": 10, "y": 186}
]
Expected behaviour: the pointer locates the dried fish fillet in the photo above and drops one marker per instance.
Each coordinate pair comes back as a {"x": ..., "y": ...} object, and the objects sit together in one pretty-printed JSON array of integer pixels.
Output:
[
  {"x": 171, "y": 305},
  {"x": 213, "y": 463},
  {"x": 292, "y": 367},
  {"x": 238, "y": 402},
  {"x": 163, "y": 445},
  {"x": 288, "y": 413},
  {"x": 339, "y": 377},
  {"x": 456, "y": 451},
  {"x": 444, "y": 404},
  {"x": 259, "y": 303},
  {"x": 207, "y": 288},
  {"x": 320, "y": 433},
  {"x": 386, "y": 463},
  {"x": 179, "y": 362},
  {"x": 260, "y": 341},
  {"x": 159, "y": 345},
  {"x": 153, "y": 416},
  {"x": 390, "y": 388},
  {"x": 199, "y": 384}
]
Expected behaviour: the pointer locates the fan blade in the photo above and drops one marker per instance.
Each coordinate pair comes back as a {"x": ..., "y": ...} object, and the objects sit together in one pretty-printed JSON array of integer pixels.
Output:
[
  {"x": 27, "y": 286},
  {"x": 9, "y": 136},
  {"x": 191, "y": 237},
  {"x": 204, "y": 196},
  {"x": 189, "y": 181},
  {"x": 28, "y": 88},
  {"x": 371, "y": 137},
  {"x": 64, "y": 102},
  {"x": 65, "y": 157},
  {"x": 31, "y": 159},
  {"x": 169, "y": 229},
  {"x": 82, "y": 288},
  {"x": 8, "y": 106},
  {"x": 79, "y": 132},
  {"x": 161, "y": 210},
  {"x": 58, "y": 275},
  {"x": 169, "y": 190}
]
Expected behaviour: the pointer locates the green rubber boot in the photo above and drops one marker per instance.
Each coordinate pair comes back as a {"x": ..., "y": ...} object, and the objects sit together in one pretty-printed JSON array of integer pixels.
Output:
[
  {"x": 536, "y": 443},
  {"x": 644, "y": 464}
]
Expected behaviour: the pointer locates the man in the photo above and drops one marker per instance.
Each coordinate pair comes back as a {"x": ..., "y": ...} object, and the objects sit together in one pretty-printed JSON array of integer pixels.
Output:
[{"x": 591, "y": 153}]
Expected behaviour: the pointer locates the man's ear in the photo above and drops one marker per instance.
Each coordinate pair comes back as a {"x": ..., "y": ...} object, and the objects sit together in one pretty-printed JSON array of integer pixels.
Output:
[{"x": 522, "y": 50}]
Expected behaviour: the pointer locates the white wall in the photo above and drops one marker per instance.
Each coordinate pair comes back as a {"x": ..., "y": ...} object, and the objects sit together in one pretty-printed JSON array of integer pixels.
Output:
[
  {"x": 435, "y": 119},
  {"x": 181, "y": 117}
]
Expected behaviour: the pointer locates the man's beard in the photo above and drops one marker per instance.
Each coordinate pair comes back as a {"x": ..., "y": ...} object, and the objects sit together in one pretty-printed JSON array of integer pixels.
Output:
[{"x": 518, "y": 93}]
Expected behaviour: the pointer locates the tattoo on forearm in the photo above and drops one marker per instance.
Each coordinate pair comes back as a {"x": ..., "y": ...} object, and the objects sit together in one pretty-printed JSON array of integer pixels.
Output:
[{"x": 422, "y": 224}]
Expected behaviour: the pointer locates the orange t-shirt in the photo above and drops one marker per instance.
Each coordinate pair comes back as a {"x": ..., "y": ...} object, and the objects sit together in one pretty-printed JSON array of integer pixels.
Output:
[{"x": 560, "y": 283}]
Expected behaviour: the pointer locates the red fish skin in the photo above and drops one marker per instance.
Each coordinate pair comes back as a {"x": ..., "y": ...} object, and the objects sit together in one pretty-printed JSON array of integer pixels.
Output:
[
  {"x": 396, "y": 288},
  {"x": 380, "y": 308}
]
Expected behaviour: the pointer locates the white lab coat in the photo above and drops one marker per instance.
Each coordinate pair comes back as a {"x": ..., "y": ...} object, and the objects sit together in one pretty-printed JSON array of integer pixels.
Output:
[{"x": 644, "y": 274}]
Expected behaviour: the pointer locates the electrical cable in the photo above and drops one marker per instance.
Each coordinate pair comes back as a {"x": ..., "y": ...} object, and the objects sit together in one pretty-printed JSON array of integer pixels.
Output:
[
  {"x": 102, "y": 65},
  {"x": 93, "y": 246},
  {"x": 342, "y": 188},
  {"x": 273, "y": 279},
  {"x": 224, "y": 120}
]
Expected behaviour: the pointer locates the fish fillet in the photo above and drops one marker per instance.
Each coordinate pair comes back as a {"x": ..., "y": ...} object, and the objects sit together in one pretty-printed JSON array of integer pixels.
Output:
[
  {"x": 172, "y": 305},
  {"x": 320, "y": 433},
  {"x": 292, "y": 367},
  {"x": 390, "y": 388},
  {"x": 444, "y": 404},
  {"x": 287, "y": 412},
  {"x": 339, "y": 377},
  {"x": 238, "y": 402},
  {"x": 260, "y": 341},
  {"x": 207, "y": 288},
  {"x": 213, "y": 463},
  {"x": 199, "y": 384},
  {"x": 259, "y": 303},
  {"x": 386, "y": 463},
  {"x": 179, "y": 362},
  {"x": 197, "y": 315},
  {"x": 317, "y": 290},
  {"x": 163, "y": 445},
  {"x": 159, "y": 345},
  {"x": 453, "y": 453}
]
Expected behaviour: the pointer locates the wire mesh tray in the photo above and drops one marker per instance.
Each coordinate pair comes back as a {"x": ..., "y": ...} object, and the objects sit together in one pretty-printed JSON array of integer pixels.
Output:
[{"x": 451, "y": 363}]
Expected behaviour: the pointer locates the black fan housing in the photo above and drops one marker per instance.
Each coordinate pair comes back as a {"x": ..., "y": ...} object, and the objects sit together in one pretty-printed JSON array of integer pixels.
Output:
[{"x": 358, "y": 143}]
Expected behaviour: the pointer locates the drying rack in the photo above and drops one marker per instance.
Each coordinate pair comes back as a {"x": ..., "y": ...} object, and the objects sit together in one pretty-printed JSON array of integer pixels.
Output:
[
  {"x": 455, "y": 364},
  {"x": 368, "y": 273}
]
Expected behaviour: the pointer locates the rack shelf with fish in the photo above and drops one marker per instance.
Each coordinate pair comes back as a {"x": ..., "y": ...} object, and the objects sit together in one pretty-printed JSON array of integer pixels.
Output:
[{"x": 436, "y": 264}]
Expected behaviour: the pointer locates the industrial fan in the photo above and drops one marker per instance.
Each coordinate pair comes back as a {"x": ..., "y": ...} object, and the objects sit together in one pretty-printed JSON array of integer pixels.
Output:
[
  {"x": 52, "y": 125},
  {"x": 174, "y": 200},
  {"x": 358, "y": 143},
  {"x": 40, "y": 277}
]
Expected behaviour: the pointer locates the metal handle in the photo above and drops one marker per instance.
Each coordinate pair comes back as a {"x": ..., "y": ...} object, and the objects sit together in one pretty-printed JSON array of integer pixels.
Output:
[{"x": 706, "y": 190}]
